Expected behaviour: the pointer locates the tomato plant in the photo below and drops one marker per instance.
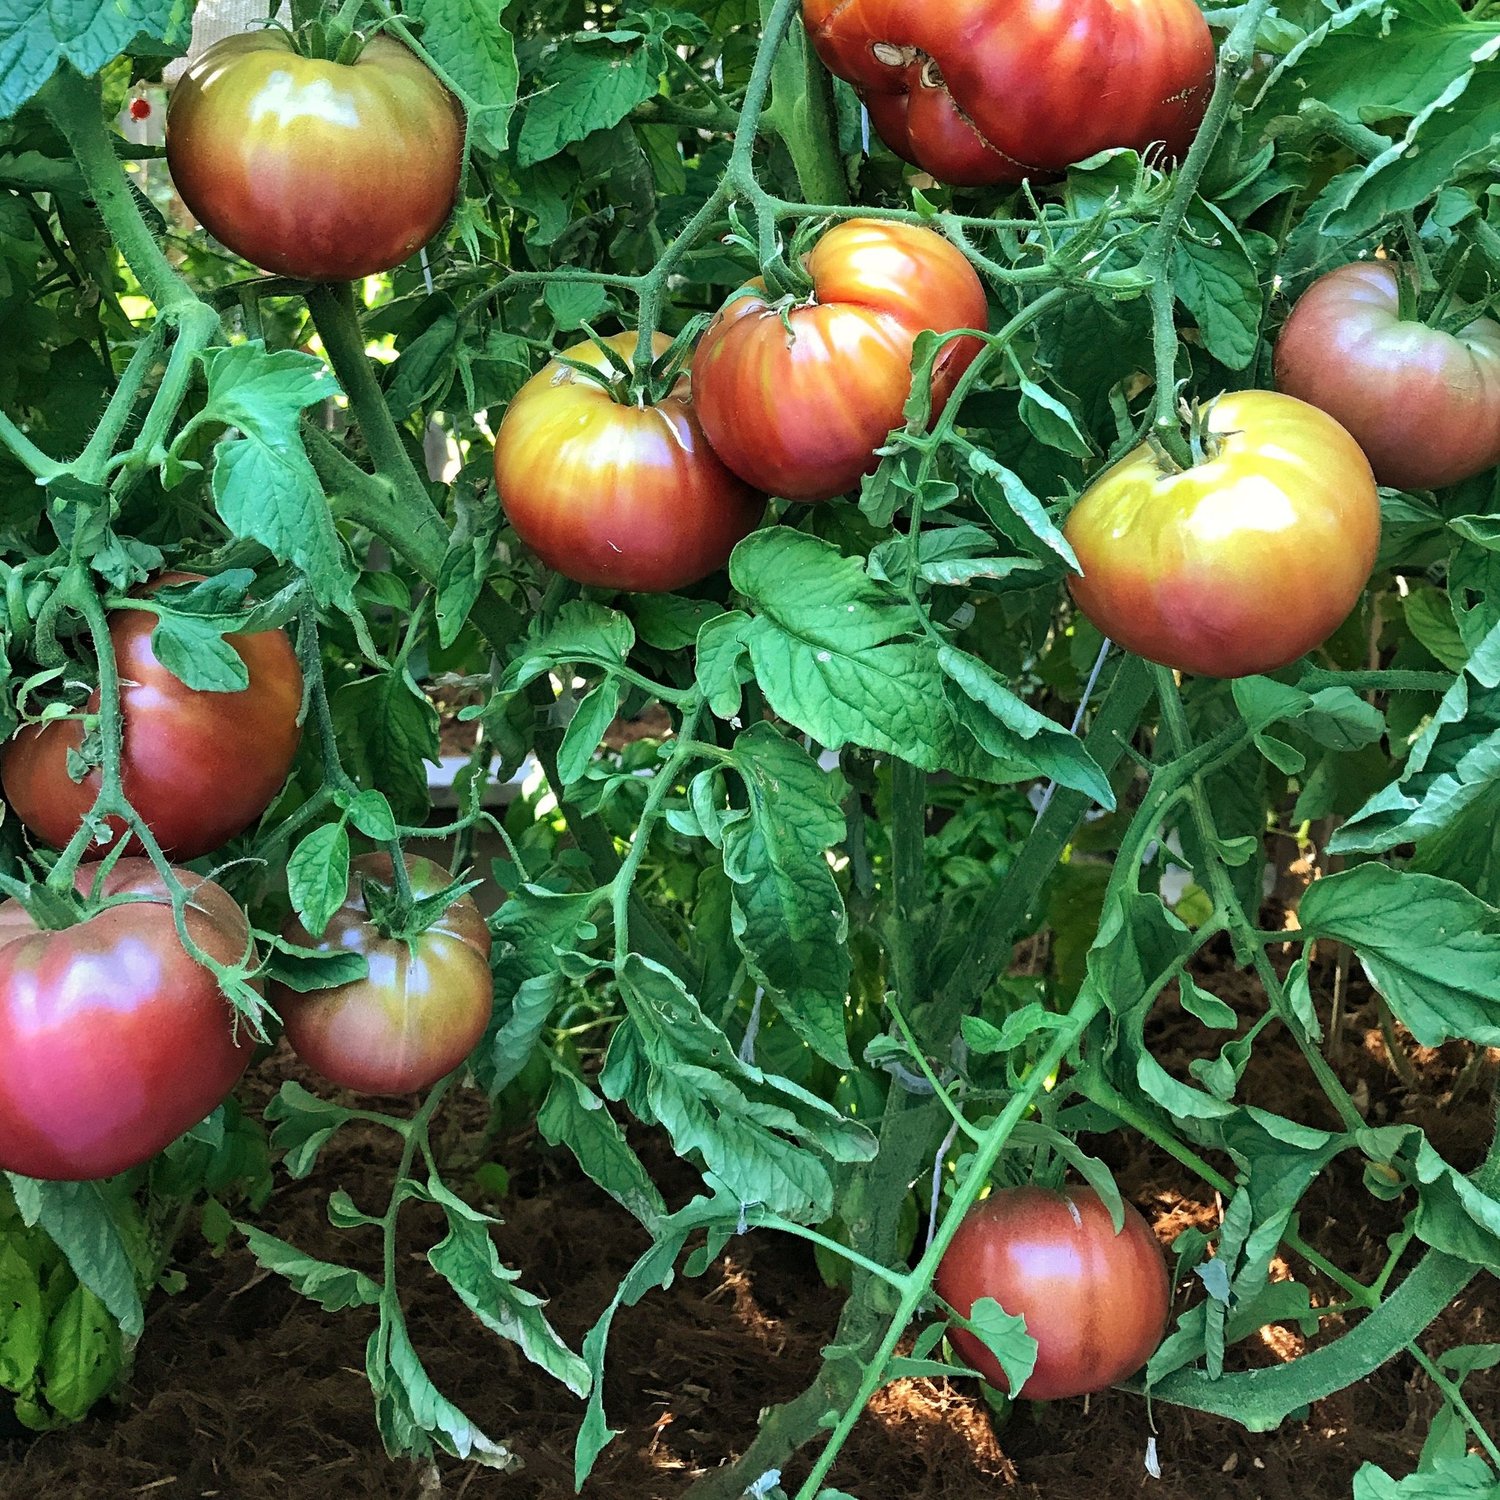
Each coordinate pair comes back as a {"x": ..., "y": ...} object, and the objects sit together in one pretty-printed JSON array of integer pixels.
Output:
[
  {"x": 1242, "y": 562},
  {"x": 994, "y": 91},
  {"x": 614, "y": 493},
  {"x": 199, "y": 767},
  {"x": 1423, "y": 402},
  {"x": 1095, "y": 1301},
  {"x": 113, "y": 1039},
  {"x": 422, "y": 1006},
  {"x": 840, "y": 856},
  {"x": 319, "y": 169},
  {"x": 796, "y": 395}
]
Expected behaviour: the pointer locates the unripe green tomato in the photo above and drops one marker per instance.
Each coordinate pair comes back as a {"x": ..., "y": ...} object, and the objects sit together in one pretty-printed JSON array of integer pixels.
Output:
[{"x": 1241, "y": 563}]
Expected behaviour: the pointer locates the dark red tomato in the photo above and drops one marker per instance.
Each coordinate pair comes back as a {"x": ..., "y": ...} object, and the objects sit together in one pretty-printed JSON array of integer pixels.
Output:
[
  {"x": 320, "y": 170},
  {"x": 801, "y": 414},
  {"x": 1096, "y": 1302},
  {"x": 423, "y": 1007},
  {"x": 113, "y": 1041},
  {"x": 199, "y": 767},
  {"x": 616, "y": 495},
  {"x": 989, "y": 91},
  {"x": 1243, "y": 562},
  {"x": 1422, "y": 403}
]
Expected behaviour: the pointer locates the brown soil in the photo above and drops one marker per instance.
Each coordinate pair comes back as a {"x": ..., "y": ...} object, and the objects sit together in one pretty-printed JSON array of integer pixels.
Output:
[{"x": 244, "y": 1391}]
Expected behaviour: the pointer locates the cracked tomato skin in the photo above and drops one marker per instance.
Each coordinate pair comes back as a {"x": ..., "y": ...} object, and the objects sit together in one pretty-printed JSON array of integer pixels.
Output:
[
  {"x": 615, "y": 495},
  {"x": 198, "y": 767},
  {"x": 801, "y": 414},
  {"x": 421, "y": 1010},
  {"x": 980, "y": 92},
  {"x": 113, "y": 1041},
  {"x": 1243, "y": 562},
  {"x": 1422, "y": 403},
  {"x": 1095, "y": 1302},
  {"x": 320, "y": 170}
]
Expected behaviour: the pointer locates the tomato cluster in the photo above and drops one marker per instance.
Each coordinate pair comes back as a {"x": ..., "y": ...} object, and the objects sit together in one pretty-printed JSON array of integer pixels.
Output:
[{"x": 788, "y": 396}]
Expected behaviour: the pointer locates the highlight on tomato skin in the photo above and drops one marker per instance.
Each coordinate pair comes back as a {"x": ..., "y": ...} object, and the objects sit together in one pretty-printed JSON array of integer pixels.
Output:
[
  {"x": 420, "y": 1010},
  {"x": 1096, "y": 1302},
  {"x": 1242, "y": 563},
  {"x": 985, "y": 92},
  {"x": 801, "y": 414},
  {"x": 113, "y": 1041},
  {"x": 613, "y": 494},
  {"x": 319, "y": 170},
  {"x": 1423, "y": 403}
]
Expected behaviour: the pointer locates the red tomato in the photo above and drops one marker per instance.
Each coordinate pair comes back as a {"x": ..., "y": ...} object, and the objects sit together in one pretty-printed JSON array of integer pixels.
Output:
[
  {"x": 198, "y": 767},
  {"x": 1243, "y": 562},
  {"x": 800, "y": 414},
  {"x": 989, "y": 91},
  {"x": 1095, "y": 1301},
  {"x": 423, "y": 1007},
  {"x": 615, "y": 495},
  {"x": 1423, "y": 404},
  {"x": 113, "y": 1041},
  {"x": 320, "y": 170}
]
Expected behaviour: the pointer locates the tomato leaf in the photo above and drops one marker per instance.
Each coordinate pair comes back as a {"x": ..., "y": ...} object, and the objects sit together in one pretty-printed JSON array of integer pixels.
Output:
[
  {"x": 332, "y": 1287},
  {"x": 468, "y": 1261},
  {"x": 34, "y": 40},
  {"x": 468, "y": 43},
  {"x": 1430, "y": 947},
  {"x": 388, "y": 728},
  {"x": 574, "y": 1116},
  {"x": 1006, "y": 1338},
  {"x": 587, "y": 88},
  {"x": 263, "y": 482},
  {"x": 318, "y": 875},
  {"x": 586, "y": 729},
  {"x": 789, "y": 917},
  {"x": 197, "y": 654},
  {"x": 1218, "y": 281}
]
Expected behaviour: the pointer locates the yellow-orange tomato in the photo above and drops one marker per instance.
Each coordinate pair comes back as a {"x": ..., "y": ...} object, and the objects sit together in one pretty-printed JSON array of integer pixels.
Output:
[
  {"x": 1243, "y": 562},
  {"x": 616, "y": 495},
  {"x": 796, "y": 399},
  {"x": 320, "y": 170}
]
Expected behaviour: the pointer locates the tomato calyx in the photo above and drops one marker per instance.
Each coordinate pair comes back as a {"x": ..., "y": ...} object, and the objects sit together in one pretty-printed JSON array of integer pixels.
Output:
[
  {"x": 398, "y": 913},
  {"x": 626, "y": 383},
  {"x": 51, "y": 908}
]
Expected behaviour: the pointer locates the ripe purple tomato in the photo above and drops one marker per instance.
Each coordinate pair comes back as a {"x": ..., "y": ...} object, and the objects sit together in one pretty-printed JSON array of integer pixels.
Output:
[
  {"x": 1423, "y": 404},
  {"x": 1095, "y": 1301},
  {"x": 113, "y": 1041},
  {"x": 423, "y": 1006}
]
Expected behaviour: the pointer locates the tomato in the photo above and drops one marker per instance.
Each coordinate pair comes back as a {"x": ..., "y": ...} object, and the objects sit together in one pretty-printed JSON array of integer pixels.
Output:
[
  {"x": 1243, "y": 562},
  {"x": 198, "y": 767},
  {"x": 320, "y": 170},
  {"x": 424, "y": 1005},
  {"x": 617, "y": 495},
  {"x": 113, "y": 1041},
  {"x": 1096, "y": 1302},
  {"x": 1423, "y": 404},
  {"x": 797, "y": 397},
  {"x": 978, "y": 92}
]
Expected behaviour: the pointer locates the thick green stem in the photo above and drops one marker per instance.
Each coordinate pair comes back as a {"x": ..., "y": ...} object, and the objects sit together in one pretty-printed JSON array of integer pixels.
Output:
[{"x": 1234, "y": 57}]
